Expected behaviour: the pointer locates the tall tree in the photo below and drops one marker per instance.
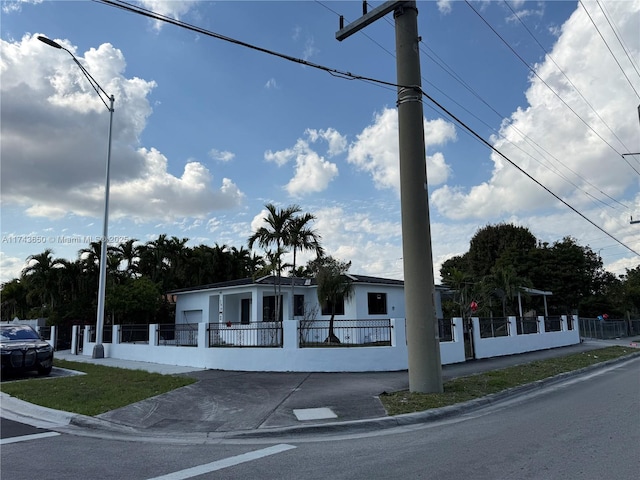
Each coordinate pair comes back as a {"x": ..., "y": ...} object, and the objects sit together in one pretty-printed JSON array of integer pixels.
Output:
[
  {"x": 129, "y": 253},
  {"x": 14, "y": 300},
  {"x": 275, "y": 233},
  {"x": 504, "y": 243},
  {"x": 333, "y": 286},
  {"x": 42, "y": 278},
  {"x": 301, "y": 237}
]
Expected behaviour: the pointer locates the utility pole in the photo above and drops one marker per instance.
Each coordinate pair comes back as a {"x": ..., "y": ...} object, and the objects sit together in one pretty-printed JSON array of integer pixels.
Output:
[{"x": 423, "y": 344}]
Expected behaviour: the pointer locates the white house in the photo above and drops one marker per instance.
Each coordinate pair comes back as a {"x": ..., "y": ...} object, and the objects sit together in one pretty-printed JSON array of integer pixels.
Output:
[
  {"x": 248, "y": 301},
  {"x": 238, "y": 325}
]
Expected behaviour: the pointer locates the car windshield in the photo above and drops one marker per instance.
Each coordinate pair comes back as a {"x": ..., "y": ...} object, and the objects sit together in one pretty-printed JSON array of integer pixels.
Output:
[{"x": 18, "y": 332}]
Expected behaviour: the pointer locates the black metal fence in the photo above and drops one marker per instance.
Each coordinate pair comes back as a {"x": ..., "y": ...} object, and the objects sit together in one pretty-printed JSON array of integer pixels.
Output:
[
  {"x": 352, "y": 333},
  {"x": 445, "y": 330},
  {"x": 552, "y": 324},
  {"x": 179, "y": 335},
  {"x": 134, "y": 333},
  {"x": 527, "y": 326},
  {"x": 107, "y": 334},
  {"x": 264, "y": 334},
  {"x": 494, "y": 327}
]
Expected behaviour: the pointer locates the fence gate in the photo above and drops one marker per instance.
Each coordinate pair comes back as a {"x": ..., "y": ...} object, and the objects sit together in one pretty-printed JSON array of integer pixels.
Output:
[{"x": 469, "y": 350}]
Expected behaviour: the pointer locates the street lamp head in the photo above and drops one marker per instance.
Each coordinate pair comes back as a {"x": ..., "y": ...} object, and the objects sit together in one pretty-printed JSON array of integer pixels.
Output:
[{"x": 49, "y": 42}]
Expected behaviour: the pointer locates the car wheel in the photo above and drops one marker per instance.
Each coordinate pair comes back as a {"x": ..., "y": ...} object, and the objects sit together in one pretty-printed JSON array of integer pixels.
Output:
[{"x": 45, "y": 370}]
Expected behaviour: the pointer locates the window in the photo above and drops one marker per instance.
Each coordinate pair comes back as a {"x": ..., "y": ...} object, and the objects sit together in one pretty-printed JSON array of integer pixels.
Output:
[
  {"x": 245, "y": 311},
  {"x": 269, "y": 308},
  {"x": 298, "y": 305},
  {"x": 377, "y": 303},
  {"x": 339, "y": 307}
]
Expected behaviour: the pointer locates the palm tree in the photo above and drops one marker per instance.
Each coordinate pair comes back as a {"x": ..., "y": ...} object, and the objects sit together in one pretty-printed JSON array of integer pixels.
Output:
[
  {"x": 14, "y": 300},
  {"x": 506, "y": 284},
  {"x": 301, "y": 237},
  {"x": 130, "y": 254},
  {"x": 275, "y": 233},
  {"x": 41, "y": 276},
  {"x": 334, "y": 285}
]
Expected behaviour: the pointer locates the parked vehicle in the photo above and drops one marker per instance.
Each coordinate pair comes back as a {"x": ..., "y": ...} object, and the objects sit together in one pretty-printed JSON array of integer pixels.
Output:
[{"x": 22, "y": 350}]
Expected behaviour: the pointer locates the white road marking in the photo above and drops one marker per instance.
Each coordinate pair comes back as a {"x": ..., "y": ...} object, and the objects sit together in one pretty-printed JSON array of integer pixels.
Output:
[
  {"x": 224, "y": 463},
  {"x": 26, "y": 438}
]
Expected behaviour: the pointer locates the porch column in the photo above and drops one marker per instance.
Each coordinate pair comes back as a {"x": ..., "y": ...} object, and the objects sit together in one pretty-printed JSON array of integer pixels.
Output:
[
  {"x": 541, "y": 325},
  {"x": 513, "y": 327},
  {"x": 74, "y": 339}
]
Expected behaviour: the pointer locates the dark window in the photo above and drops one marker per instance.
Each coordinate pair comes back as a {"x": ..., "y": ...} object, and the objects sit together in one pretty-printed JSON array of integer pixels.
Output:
[
  {"x": 245, "y": 311},
  {"x": 269, "y": 308},
  {"x": 339, "y": 307},
  {"x": 377, "y": 303},
  {"x": 298, "y": 305}
]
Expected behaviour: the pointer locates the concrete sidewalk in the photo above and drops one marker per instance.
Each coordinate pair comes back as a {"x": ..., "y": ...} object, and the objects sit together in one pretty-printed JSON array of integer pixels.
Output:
[{"x": 227, "y": 403}]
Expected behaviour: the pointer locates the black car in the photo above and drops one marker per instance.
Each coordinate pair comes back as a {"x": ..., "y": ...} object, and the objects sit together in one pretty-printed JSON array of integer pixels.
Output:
[{"x": 23, "y": 349}]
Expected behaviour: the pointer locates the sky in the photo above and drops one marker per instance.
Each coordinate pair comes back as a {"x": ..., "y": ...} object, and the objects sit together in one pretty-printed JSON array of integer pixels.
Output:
[{"x": 207, "y": 131}]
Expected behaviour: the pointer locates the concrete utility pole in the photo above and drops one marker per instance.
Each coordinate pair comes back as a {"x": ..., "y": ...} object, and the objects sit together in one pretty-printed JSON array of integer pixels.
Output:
[{"x": 423, "y": 344}]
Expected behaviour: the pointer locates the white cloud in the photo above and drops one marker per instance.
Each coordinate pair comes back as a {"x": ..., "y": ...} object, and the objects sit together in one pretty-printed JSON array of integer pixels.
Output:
[
  {"x": 11, "y": 267},
  {"x": 11, "y": 6},
  {"x": 376, "y": 150},
  {"x": 312, "y": 172},
  {"x": 337, "y": 143},
  {"x": 271, "y": 83},
  {"x": 577, "y": 161},
  {"x": 444, "y": 6},
  {"x": 54, "y": 142},
  {"x": 168, "y": 8},
  {"x": 221, "y": 155}
]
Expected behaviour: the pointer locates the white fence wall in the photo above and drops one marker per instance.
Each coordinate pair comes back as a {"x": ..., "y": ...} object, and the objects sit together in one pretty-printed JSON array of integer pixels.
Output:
[
  {"x": 514, "y": 343},
  {"x": 288, "y": 358}
]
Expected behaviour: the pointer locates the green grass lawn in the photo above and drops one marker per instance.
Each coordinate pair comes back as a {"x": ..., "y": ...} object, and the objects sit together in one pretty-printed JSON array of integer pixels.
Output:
[
  {"x": 100, "y": 390},
  {"x": 476, "y": 386}
]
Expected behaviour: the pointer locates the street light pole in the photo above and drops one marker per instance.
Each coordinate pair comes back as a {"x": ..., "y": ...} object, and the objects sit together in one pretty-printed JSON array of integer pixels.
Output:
[{"x": 98, "y": 349}]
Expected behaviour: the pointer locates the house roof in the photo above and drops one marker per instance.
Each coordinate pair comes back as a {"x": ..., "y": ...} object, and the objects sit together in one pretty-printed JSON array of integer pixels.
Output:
[{"x": 285, "y": 281}]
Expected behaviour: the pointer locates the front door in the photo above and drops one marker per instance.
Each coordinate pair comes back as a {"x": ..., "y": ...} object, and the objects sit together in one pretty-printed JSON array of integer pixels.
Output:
[{"x": 245, "y": 311}]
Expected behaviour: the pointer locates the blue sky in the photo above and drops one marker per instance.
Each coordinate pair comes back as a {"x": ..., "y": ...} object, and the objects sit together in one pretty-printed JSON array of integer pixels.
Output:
[{"x": 206, "y": 132}]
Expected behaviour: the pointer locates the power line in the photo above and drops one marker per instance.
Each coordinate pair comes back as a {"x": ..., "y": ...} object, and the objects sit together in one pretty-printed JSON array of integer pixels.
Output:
[
  {"x": 625, "y": 49},
  {"x": 564, "y": 74},
  {"x": 532, "y": 70},
  {"x": 347, "y": 75},
  {"x": 485, "y": 142},
  {"x": 535, "y": 145},
  {"x": 609, "y": 48}
]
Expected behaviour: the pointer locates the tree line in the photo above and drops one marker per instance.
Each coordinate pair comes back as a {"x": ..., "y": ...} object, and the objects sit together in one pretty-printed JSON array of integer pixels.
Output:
[
  {"x": 140, "y": 274},
  {"x": 503, "y": 259}
]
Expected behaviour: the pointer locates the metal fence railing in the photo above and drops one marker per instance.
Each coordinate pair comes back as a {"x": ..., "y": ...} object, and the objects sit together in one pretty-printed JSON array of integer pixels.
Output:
[
  {"x": 527, "y": 326},
  {"x": 134, "y": 333},
  {"x": 179, "y": 334},
  {"x": 552, "y": 324},
  {"x": 107, "y": 333},
  {"x": 445, "y": 330},
  {"x": 352, "y": 333},
  {"x": 603, "y": 329},
  {"x": 494, "y": 327},
  {"x": 264, "y": 334}
]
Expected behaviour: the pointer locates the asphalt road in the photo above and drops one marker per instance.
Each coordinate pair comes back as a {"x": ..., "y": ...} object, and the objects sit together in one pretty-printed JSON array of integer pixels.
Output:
[{"x": 585, "y": 428}]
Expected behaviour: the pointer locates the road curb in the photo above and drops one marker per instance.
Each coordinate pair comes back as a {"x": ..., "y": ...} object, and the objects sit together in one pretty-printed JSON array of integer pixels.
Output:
[
  {"x": 43, "y": 417},
  {"x": 427, "y": 416}
]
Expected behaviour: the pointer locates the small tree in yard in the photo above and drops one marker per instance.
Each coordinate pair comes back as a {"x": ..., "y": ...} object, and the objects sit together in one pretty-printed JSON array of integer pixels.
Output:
[{"x": 333, "y": 286}]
